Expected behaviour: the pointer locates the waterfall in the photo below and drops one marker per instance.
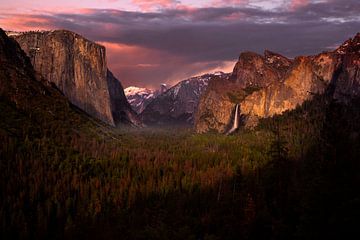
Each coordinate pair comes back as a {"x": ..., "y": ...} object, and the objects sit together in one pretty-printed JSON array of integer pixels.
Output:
[{"x": 236, "y": 120}]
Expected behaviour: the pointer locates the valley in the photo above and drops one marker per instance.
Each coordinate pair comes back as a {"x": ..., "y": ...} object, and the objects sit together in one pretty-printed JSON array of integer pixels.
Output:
[
  {"x": 285, "y": 179},
  {"x": 268, "y": 151}
]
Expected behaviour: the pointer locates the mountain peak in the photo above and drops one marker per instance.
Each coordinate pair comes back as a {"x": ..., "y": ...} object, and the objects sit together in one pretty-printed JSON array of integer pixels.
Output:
[
  {"x": 218, "y": 73},
  {"x": 136, "y": 90},
  {"x": 139, "y": 97},
  {"x": 179, "y": 103},
  {"x": 269, "y": 54},
  {"x": 352, "y": 45},
  {"x": 163, "y": 88},
  {"x": 255, "y": 70}
]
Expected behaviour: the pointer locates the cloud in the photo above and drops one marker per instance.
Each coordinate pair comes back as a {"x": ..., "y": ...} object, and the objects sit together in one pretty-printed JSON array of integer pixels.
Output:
[
  {"x": 147, "y": 5},
  {"x": 23, "y": 22},
  {"x": 233, "y": 3},
  {"x": 139, "y": 66},
  {"x": 295, "y": 4},
  {"x": 148, "y": 48}
]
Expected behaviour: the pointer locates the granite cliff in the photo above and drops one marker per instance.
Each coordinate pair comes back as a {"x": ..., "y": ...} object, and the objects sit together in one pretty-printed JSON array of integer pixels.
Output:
[
  {"x": 78, "y": 68},
  {"x": 121, "y": 110},
  {"x": 31, "y": 106},
  {"x": 251, "y": 73},
  {"x": 271, "y": 84}
]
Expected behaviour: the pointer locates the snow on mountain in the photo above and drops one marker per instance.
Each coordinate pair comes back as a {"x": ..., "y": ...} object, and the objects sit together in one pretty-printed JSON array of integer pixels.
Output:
[
  {"x": 179, "y": 103},
  {"x": 130, "y": 91},
  {"x": 139, "y": 98}
]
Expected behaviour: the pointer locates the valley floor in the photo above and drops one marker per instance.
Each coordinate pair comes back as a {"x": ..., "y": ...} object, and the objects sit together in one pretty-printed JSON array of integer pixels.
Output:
[{"x": 293, "y": 177}]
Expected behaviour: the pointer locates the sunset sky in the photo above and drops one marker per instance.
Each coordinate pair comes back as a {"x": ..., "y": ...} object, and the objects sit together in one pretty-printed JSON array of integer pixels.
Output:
[{"x": 164, "y": 41}]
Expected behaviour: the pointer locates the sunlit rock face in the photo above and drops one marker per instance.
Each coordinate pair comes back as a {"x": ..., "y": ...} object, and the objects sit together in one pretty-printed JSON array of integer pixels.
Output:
[
  {"x": 271, "y": 84},
  {"x": 254, "y": 70},
  {"x": 251, "y": 73},
  {"x": 308, "y": 75},
  {"x": 216, "y": 104},
  {"x": 78, "y": 68}
]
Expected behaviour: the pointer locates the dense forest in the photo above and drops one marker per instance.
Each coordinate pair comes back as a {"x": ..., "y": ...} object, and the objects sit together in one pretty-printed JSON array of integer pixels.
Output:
[{"x": 295, "y": 176}]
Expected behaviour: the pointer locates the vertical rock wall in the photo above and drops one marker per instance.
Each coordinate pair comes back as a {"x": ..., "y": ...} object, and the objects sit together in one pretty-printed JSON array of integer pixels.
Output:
[{"x": 78, "y": 68}]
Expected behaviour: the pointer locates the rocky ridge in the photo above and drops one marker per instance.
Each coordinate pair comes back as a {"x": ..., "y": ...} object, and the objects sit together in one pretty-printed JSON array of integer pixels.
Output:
[{"x": 271, "y": 84}]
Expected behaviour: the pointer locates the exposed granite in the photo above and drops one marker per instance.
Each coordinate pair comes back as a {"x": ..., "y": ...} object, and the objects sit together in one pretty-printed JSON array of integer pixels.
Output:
[
  {"x": 251, "y": 73},
  {"x": 78, "y": 68},
  {"x": 272, "y": 84}
]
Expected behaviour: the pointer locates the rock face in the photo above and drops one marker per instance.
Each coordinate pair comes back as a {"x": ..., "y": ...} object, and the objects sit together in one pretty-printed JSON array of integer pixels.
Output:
[
  {"x": 121, "y": 110},
  {"x": 251, "y": 73},
  {"x": 272, "y": 84},
  {"x": 78, "y": 68},
  {"x": 18, "y": 80},
  {"x": 178, "y": 104},
  {"x": 346, "y": 80},
  {"x": 256, "y": 71},
  {"x": 29, "y": 95},
  {"x": 309, "y": 75}
]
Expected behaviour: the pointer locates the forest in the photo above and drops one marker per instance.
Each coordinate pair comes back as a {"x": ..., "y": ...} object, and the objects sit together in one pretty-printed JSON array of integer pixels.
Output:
[{"x": 295, "y": 176}]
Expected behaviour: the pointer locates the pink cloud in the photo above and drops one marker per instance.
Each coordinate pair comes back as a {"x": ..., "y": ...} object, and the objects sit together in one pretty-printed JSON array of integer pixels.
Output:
[
  {"x": 24, "y": 23},
  {"x": 224, "y": 66},
  {"x": 234, "y": 16},
  {"x": 147, "y": 5},
  {"x": 132, "y": 64},
  {"x": 219, "y": 3},
  {"x": 295, "y": 4}
]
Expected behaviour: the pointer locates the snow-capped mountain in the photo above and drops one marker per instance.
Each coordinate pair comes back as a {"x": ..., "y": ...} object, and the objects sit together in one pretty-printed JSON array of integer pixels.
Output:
[
  {"x": 139, "y": 98},
  {"x": 179, "y": 103}
]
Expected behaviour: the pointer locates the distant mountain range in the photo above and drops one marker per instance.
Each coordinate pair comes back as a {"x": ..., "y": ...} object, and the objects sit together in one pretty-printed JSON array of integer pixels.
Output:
[
  {"x": 139, "y": 98},
  {"x": 178, "y": 104}
]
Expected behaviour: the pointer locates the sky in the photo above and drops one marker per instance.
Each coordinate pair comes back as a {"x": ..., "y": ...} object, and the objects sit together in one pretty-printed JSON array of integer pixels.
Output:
[{"x": 165, "y": 41}]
